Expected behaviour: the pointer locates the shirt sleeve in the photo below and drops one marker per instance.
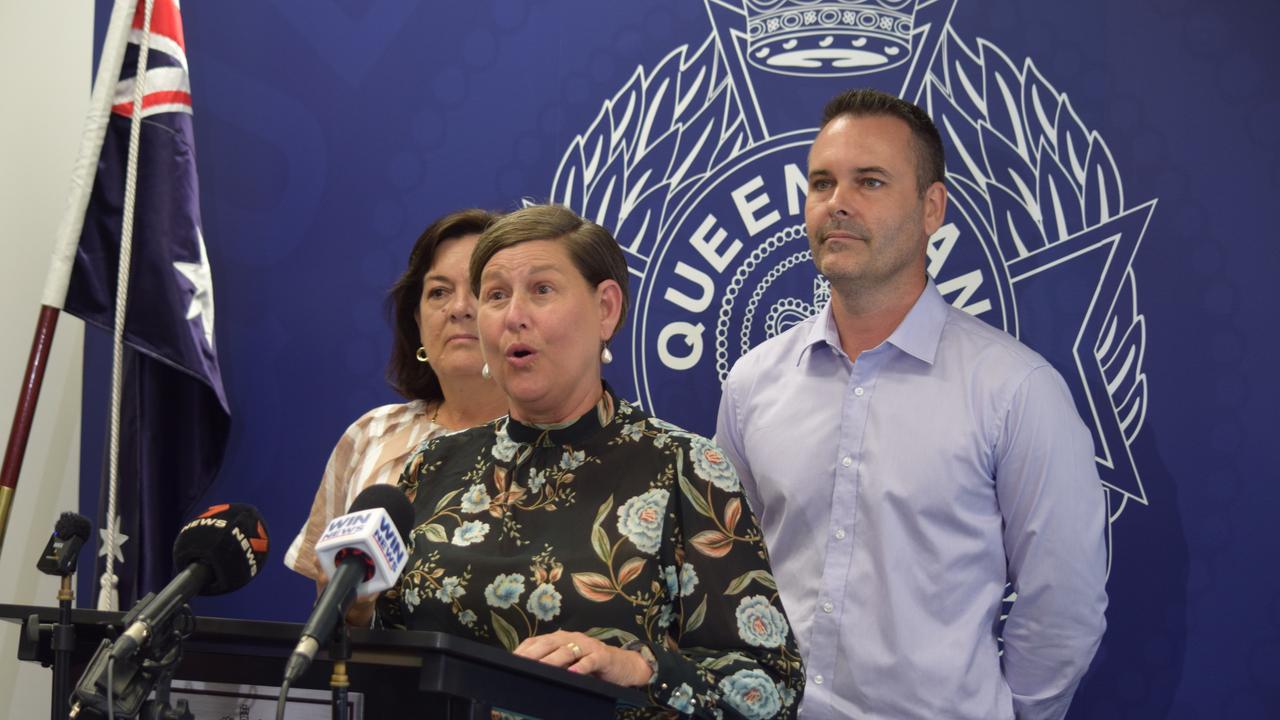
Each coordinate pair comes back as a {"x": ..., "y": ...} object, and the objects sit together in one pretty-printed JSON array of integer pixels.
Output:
[
  {"x": 729, "y": 438},
  {"x": 1054, "y": 512},
  {"x": 731, "y": 646}
]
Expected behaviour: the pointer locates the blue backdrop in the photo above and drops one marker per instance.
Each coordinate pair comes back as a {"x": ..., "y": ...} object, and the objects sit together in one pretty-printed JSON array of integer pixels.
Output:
[{"x": 1109, "y": 163}]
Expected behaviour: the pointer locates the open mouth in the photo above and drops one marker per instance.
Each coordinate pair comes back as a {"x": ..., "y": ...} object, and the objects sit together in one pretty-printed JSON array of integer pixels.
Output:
[{"x": 519, "y": 352}]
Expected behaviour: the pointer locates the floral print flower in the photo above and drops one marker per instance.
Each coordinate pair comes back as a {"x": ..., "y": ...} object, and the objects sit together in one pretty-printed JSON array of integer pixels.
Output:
[
  {"x": 672, "y": 580},
  {"x": 410, "y": 597},
  {"x": 682, "y": 698},
  {"x": 467, "y": 617},
  {"x": 505, "y": 590},
  {"x": 572, "y": 459},
  {"x": 640, "y": 519},
  {"x": 688, "y": 580},
  {"x": 537, "y": 479},
  {"x": 632, "y": 432},
  {"x": 709, "y": 462},
  {"x": 666, "y": 615},
  {"x": 476, "y": 499},
  {"x": 544, "y": 602},
  {"x": 751, "y": 693},
  {"x": 505, "y": 448},
  {"x": 470, "y": 533},
  {"x": 760, "y": 623},
  {"x": 450, "y": 589}
]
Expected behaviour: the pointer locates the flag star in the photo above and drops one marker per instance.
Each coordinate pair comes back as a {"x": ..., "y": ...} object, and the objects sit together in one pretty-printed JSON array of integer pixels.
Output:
[
  {"x": 198, "y": 274},
  {"x": 107, "y": 545}
]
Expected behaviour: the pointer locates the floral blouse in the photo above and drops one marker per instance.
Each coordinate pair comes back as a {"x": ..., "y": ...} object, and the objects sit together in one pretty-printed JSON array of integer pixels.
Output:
[{"x": 618, "y": 525}]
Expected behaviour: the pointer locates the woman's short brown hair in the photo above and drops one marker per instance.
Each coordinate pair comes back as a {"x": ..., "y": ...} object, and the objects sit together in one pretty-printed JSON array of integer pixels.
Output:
[
  {"x": 410, "y": 378},
  {"x": 594, "y": 251}
]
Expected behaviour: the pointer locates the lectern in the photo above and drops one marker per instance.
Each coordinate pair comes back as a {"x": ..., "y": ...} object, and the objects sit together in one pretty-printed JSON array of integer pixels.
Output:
[{"x": 402, "y": 674}]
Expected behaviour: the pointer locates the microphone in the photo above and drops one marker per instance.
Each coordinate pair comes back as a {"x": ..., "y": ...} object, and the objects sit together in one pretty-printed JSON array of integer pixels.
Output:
[
  {"x": 69, "y": 535},
  {"x": 219, "y": 551},
  {"x": 362, "y": 553}
]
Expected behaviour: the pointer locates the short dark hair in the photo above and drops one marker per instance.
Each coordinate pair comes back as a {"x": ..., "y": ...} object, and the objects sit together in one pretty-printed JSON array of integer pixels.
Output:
[
  {"x": 594, "y": 251},
  {"x": 931, "y": 163},
  {"x": 410, "y": 378}
]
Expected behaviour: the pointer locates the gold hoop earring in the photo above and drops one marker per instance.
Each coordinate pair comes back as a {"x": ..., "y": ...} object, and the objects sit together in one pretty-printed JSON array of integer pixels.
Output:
[{"x": 421, "y": 354}]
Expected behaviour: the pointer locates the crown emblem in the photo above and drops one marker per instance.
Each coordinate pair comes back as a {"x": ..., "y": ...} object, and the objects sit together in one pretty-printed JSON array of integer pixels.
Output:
[{"x": 828, "y": 38}]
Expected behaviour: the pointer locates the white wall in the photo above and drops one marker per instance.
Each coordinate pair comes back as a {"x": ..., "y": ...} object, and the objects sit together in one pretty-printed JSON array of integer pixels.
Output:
[{"x": 46, "y": 49}]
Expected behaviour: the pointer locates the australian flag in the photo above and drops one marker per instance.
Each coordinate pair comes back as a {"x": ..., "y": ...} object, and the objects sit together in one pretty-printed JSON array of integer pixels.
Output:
[{"x": 174, "y": 413}]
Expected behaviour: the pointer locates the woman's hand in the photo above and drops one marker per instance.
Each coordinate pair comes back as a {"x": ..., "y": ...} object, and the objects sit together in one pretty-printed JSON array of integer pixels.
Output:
[
  {"x": 584, "y": 654},
  {"x": 360, "y": 614}
]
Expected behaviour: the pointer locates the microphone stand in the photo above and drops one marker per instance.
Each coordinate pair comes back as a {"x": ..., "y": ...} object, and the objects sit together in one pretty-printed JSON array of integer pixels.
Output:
[
  {"x": 64, "y": 642},
  {"x": 340, "y": 653}
]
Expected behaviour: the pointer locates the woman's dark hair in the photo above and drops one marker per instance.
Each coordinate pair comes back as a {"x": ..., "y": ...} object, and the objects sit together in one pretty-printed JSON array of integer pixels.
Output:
[
  {"x": 410, "y": 378},
  {"x": 595, "y": 253}
]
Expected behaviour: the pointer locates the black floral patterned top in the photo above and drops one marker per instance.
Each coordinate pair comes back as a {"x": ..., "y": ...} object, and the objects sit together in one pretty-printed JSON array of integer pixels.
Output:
[{"x": 618, "y": 525}]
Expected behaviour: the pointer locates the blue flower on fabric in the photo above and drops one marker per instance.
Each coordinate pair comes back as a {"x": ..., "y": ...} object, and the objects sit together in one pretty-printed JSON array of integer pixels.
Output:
[
  {"x": 504, "y": 591},
  {"x": 760, "y": 623},
  {"x": 544, "y": 602},
  {"x": 632, "y": 432},
  {"x": 410, "y": 597},
  {"x": 752, "y": 693},
  {"x": 467, "y": 617},
  {"x": 476, "y": 499},
  {"x": 470, "y": 533},
  {"x": 666, "y": 615},
  {"x": 672, "y": 580},
  {"x": 688, "y": 580},
  {"x": 682, "y": 698},
  {"x": 450, "y": 589},
  {"x": 537, "y": 479},
  {"x": 788, "y": 696},
  {"x": 572, "y": 459},
  {"x": 640, "y": 519},
  {"x": 710, "y": 463},
  {"x": 505, "y": 448}
]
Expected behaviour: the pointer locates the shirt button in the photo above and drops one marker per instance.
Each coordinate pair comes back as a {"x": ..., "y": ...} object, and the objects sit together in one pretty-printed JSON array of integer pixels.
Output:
[
  {"x": 847, "y": 461},
  {"x": 817, "y": 679},
  {"x": 840, "y": 534},
  {"x": 858, "y": 391},
  {"x": 827, "y": 607}
]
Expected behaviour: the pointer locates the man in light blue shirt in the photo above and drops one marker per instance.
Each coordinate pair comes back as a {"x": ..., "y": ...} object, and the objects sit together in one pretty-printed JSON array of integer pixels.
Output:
[{"x": 906, "y": 460}]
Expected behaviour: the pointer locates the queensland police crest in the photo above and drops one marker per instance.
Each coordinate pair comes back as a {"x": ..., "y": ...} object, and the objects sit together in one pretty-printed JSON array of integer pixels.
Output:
[{"x": 703, "y": 181}]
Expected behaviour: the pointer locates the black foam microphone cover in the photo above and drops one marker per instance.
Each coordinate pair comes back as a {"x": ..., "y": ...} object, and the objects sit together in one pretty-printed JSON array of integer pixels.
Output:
[
  {"x": 71, "y": 525},
  {"x": 230, "y": 539},
  {"x": 391, "y": 499}
]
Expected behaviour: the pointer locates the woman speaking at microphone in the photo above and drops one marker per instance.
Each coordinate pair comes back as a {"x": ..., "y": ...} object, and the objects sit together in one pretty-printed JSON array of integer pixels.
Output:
[
  {"x": 435, "y": 364},
  {"x": 578, "y": 530}
]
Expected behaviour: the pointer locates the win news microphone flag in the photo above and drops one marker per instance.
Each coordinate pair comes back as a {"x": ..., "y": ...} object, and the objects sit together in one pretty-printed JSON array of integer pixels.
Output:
[{"x": 135, "y": 193}]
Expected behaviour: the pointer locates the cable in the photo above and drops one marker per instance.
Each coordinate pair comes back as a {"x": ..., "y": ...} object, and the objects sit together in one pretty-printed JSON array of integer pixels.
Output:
[
  {"x": 111, "y": 703},
  {"x": 280, "y": 701}
]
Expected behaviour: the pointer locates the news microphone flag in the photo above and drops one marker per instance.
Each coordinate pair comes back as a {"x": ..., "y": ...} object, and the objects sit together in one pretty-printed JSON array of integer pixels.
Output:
[
  {"x": 371, "y": 534},
  {"x": 174, "y": 416}
]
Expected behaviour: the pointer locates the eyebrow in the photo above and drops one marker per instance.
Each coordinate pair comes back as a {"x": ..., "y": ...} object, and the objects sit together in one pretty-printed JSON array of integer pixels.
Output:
[
  {"x": 867, "y": 170},
  {"x": 486, "y": 273}
]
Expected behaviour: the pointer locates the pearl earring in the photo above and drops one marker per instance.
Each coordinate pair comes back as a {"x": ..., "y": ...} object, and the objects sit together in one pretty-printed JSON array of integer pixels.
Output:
[
  {"x": 484, "y": 372},
  {"x": 606, "y": 357}
]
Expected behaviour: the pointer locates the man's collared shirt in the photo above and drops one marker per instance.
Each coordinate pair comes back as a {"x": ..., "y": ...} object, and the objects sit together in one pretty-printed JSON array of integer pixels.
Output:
[{"x": 900, "y": 492}]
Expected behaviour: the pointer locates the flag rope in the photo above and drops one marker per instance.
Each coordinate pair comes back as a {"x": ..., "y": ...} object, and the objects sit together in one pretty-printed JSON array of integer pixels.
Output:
[{"x": 108, "y": 583}]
